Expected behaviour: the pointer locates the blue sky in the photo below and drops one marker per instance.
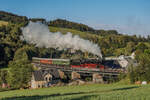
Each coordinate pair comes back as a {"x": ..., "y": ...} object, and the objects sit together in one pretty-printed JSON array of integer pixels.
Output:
[{"x": 126, "y": 16}]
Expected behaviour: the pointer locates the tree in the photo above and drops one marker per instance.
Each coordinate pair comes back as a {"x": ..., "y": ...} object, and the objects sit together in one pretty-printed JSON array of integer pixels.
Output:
[
  {"x": 20, "y": 73},
  {"x": 144, "y": 67},
  {"x": 130, "y": 47},
  {"x": 20, "y": 70},
  {"x": 141, "y": 46},
  {"x": 132, "y": 74},
  {"x": 140, "y": 72},
  {"x": 112, "y": 32},
  {"x": 3, "y": 76}
]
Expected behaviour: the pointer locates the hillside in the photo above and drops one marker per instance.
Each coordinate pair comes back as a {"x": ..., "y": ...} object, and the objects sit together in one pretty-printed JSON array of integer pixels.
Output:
[
  {"x": 111, "y": 42},
  {"x": 16, "y": 53},
  {"x": 10, "y": 17},
  {"x": 71, "y": 25}
]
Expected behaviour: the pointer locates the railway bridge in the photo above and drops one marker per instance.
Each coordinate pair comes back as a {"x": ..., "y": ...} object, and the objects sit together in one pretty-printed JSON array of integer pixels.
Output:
[{"x": 95, "y": 74}]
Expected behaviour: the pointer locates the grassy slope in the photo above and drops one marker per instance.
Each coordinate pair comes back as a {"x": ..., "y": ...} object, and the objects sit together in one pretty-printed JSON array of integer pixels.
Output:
[
  {"x": 85, "y": 92},
  {"x": 74, "y": 32},
  {"x": 3, "y": 23}
]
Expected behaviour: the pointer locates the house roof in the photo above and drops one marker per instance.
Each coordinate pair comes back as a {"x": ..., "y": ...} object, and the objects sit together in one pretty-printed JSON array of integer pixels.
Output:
[
  {"x": 38, "y": 76},
  {"x": 53, "y": 71},
  {"x": 111, "y": 63}
]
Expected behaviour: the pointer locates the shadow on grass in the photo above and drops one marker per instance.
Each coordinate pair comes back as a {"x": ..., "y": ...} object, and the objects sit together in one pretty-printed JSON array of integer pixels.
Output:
[
  {"x": 126, "y": 88},
  {"x": 51, "y": 97},
  {"x": 40, "y": 97},
  {"x": 88, "y": 97}
]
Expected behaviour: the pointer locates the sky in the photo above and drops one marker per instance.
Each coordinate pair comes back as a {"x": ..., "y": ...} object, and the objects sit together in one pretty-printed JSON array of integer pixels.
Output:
[{"x": 126, "y": 16}]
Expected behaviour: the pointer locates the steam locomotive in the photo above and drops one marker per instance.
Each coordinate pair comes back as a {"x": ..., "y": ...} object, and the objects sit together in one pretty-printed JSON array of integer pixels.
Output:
[{"x": 78, "y": 63}]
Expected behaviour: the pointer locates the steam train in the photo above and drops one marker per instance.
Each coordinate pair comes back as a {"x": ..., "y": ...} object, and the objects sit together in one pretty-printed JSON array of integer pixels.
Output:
[{"x": 78, "y": 63}]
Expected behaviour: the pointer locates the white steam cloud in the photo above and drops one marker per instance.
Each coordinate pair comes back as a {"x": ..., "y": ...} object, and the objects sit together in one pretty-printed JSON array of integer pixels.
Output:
[{"x": 39, "y": 34}]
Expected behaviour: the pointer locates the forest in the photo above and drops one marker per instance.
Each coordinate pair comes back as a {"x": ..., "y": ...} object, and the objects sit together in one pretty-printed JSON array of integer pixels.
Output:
[{"x": 16, "y": 54}]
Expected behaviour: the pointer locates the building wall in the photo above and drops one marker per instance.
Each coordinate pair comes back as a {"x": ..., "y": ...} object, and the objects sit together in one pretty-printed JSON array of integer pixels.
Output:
[
  {"x": 123, "y": 63},
  {"x": 37, "y": 84},
  {"x": 48, "y": 77},
  {"x": 40, "y": 84}
]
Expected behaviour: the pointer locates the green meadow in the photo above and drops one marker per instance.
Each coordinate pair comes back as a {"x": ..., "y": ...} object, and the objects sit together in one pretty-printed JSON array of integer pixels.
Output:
[{"x": 82, "y": 92}]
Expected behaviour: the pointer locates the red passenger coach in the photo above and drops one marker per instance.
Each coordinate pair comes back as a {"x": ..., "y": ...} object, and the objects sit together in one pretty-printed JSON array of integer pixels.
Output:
[{"x": 46, "y": 61}]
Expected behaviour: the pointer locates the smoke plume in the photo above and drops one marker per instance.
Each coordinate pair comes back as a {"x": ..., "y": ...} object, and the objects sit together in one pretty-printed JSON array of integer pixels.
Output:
[{"x": 39, "y": 34}]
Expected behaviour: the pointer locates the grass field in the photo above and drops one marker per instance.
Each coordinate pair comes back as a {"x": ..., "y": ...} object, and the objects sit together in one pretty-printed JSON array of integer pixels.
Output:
[
  {"x": 3, "y": 23},
  {"x": 74, "y": 32},
  {"x": 84, "y": 92}
]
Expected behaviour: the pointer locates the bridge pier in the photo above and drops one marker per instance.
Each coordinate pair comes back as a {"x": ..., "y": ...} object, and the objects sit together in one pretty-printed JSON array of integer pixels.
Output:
[
  {"x": 75, "y": 75},
  {"x": 62, "y": 74},
  {"x": 97, "y": 78}
]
